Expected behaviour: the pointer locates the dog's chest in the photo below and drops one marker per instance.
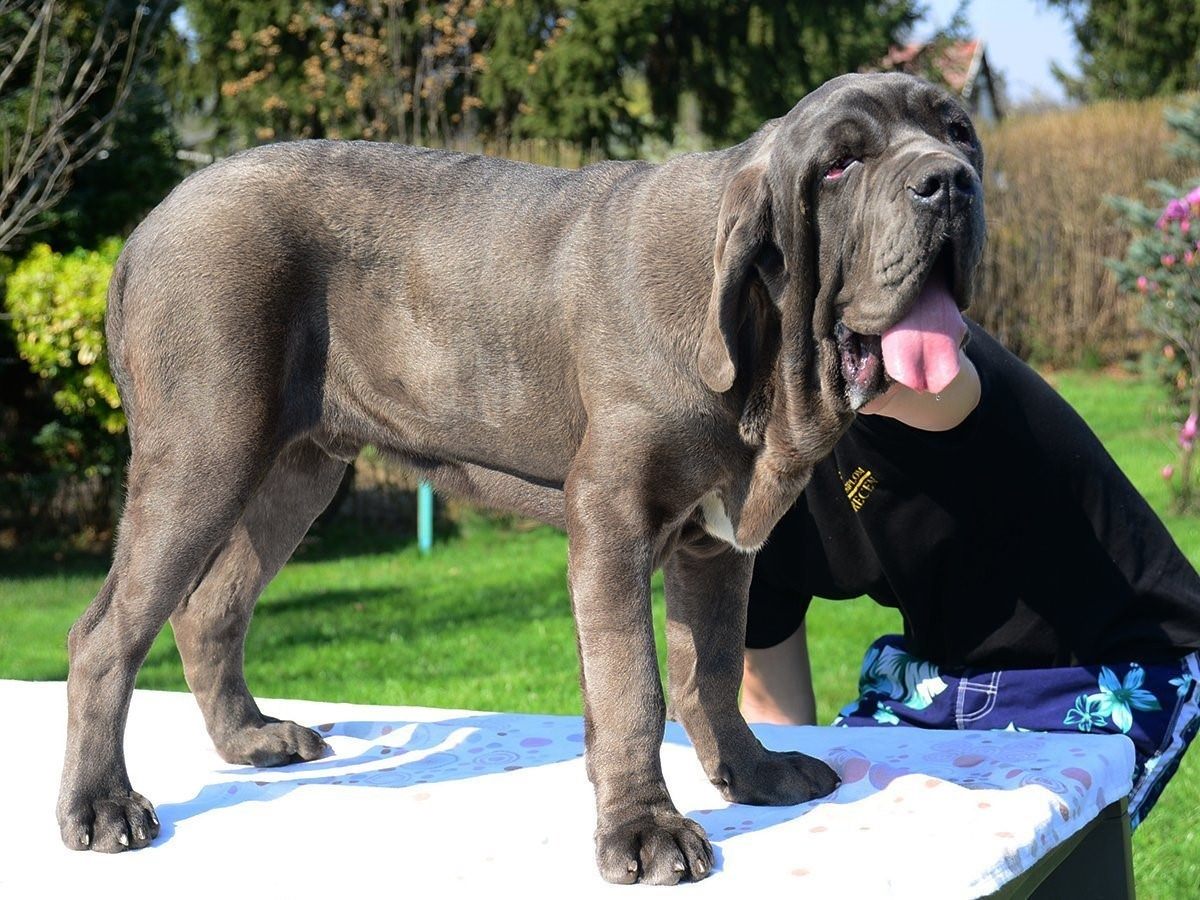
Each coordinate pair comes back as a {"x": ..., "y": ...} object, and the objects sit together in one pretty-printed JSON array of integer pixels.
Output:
[{"x": 716, "y": 520}]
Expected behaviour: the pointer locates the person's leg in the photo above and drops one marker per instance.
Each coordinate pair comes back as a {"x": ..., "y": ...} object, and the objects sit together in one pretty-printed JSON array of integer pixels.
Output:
[
  {"x": 1155, "y": 705},
  {"x": 897, "y": 688},
  {"x": 1155, "y": 771},
  {"x": 777, "y": 683}
]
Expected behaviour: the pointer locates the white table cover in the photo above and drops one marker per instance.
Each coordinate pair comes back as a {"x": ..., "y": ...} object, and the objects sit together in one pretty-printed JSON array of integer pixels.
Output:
[{"x": 458, "y": 803}]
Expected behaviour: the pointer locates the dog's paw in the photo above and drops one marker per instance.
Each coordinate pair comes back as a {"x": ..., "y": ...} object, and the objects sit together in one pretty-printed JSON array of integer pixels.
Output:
[
  {"x": 107, "y": 821},
  {"x": 663, "y": 848},
  {"x": 274, "y": 743},
  {"x": 777, "y": 779}
]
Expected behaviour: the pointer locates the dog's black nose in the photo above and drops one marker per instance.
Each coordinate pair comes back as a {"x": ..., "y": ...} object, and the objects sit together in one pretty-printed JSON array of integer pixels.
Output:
[{"x": 942, "y": 183}]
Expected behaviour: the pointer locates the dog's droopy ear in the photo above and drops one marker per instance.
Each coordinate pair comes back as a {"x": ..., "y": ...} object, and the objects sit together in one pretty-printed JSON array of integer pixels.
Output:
[{"x": 743, "y": 227}]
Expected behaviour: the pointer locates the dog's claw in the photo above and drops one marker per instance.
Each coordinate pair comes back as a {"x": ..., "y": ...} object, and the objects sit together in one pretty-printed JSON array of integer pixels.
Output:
[
  {"x": 107, "y": 822},
  {"x": 661, "y": 848}
]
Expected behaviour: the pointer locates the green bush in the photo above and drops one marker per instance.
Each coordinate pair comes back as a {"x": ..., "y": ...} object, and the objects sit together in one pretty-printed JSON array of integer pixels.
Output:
[{"x": 57, "y": 302}]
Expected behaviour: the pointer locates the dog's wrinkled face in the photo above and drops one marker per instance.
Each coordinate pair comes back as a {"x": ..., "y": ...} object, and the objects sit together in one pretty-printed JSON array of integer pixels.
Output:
[
  {"x": 899, "y": 225},
  {"x": 861, "y": 215}
]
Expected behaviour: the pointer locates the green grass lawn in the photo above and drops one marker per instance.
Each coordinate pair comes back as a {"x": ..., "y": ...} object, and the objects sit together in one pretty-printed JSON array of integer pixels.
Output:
[{"x": 485, "y": 622}]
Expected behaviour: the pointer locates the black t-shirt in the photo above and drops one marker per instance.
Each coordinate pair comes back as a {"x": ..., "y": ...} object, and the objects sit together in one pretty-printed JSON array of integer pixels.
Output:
[{"x": 1010, "y": 541}]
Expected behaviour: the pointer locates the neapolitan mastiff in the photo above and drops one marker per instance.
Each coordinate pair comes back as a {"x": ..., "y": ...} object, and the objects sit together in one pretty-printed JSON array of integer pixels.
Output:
[{"x": 652, "y": 357}]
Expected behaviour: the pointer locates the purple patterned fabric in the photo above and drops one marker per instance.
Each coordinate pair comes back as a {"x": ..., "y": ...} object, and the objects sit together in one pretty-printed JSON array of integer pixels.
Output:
[{"x": 1155, "y": 706}]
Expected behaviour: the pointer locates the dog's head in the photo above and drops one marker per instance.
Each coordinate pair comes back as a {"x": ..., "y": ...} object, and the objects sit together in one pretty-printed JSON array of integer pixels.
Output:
[{"x": 853, "y": 226}]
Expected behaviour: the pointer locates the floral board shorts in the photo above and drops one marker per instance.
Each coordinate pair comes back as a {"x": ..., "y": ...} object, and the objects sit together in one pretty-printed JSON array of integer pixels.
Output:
[{"x": 1156, "y": 705}]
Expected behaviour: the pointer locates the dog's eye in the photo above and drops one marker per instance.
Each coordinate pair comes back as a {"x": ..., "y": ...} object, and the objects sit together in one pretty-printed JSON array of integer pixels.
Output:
[
  {"x": 959, "y": 133},
  {"x": 838, "y": 169}
]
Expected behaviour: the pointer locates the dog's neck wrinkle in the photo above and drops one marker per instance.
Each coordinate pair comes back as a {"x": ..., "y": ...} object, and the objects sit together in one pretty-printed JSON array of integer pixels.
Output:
[
  {"x": 775, "y": 408},
  {"x": 800, "y": 431}
]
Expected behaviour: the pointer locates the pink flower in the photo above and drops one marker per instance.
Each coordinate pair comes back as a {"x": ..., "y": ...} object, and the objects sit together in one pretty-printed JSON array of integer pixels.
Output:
[
  {"x": 1143, "y": 283},
  {"x": 1193, "y": 196},
  {"x": 1188, "y": 432},
  {"x": 1185, "y": 226},
  {"x": 1168, "y": 472},
  {"x": 1188, "y": 256},
  {"x": 1168, "y": 260},
  {"x": 1175, "y": 210}
]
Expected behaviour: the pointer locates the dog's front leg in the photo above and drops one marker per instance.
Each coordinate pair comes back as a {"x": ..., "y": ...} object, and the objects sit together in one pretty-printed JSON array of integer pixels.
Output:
[
  {"x": 707, "y": 585},
  {"x": 640, "y": 835}
]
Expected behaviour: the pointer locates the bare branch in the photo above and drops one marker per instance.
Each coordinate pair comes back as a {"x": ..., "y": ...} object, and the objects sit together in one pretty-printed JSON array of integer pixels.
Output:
[
  {"x": 63, "y": 130},
  {"x": 40, "y": 22}
]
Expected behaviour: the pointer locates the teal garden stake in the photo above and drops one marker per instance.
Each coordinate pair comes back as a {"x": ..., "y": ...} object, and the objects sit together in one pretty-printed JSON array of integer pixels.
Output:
[{"x": 424, "y": 517}]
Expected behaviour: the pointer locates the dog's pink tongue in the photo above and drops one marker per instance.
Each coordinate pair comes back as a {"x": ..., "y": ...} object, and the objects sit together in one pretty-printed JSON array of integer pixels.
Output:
[{"x": 921, "y": 350}]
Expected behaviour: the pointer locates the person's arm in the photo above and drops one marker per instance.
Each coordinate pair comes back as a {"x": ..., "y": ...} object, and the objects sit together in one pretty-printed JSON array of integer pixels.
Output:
[{"x": 777, "y": 683}]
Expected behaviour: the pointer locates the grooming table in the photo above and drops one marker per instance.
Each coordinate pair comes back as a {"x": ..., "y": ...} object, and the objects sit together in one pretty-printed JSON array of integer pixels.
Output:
[{"x": 455, "y": 801}]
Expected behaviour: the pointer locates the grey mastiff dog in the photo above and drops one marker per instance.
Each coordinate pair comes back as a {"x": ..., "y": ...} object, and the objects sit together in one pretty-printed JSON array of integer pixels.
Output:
[{"x": 651, "y": 357}]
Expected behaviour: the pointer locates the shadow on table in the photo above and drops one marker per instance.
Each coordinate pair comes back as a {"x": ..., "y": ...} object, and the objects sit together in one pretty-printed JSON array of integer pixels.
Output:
[
  {"x": 734, "y": 819},
  {"x": 402, "y": 754}
]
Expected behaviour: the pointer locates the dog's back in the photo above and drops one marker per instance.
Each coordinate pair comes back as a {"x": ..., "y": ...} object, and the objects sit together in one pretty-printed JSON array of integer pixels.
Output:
[{"x": 405, "y": 295}]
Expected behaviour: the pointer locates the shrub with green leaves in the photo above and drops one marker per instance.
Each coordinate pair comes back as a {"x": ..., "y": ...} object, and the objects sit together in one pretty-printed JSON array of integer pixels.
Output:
[
  {"x": 57, "y": 302},
  {"x": 1162, "y": 264}
]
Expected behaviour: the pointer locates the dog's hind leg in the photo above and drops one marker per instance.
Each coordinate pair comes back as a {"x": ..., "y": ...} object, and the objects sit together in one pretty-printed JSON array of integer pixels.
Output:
[
  {"x": 188, "y": 486},
  {"x": 210, "y": 625}
]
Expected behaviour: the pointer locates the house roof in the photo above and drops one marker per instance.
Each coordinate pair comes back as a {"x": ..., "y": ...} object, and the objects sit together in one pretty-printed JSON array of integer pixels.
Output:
[{"x": 958, "y": 62}]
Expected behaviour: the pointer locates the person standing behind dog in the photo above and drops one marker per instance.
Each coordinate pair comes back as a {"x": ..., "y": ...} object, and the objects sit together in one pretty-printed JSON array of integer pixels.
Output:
[{"x": 1037, "y": 588}]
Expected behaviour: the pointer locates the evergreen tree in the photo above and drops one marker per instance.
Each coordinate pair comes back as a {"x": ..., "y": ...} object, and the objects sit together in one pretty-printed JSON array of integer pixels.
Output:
[
  {"x": 606, "y": 72},
  {"x": 750, "y": 61},
  {"x": 286, "y": 69},
  {"x": 1131, "y": 49},
  {"x": 743, "y": 62}
]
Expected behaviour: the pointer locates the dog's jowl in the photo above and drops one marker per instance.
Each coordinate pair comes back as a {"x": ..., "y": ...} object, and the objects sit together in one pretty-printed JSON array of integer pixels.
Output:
[{"x": 651, "y": 357}]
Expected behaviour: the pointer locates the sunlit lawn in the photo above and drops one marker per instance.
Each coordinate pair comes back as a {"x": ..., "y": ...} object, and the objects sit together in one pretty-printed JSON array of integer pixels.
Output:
[{"x": 485, "y": 623}]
